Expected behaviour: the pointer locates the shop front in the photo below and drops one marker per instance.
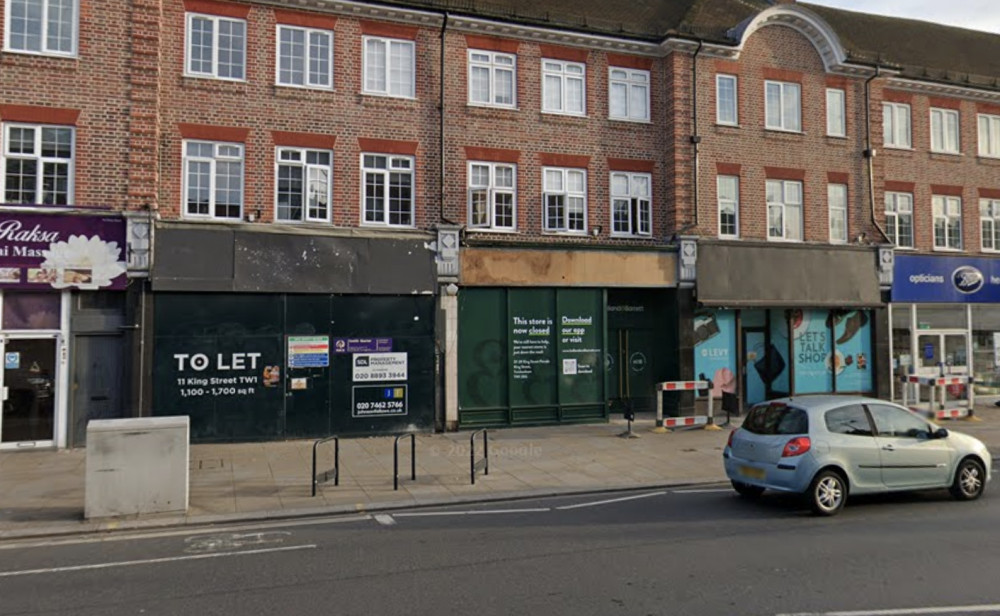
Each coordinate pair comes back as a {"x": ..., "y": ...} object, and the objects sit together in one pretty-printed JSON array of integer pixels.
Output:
[
  {"x": 562, "y": 336},
  {"x": 780, "y": 321},
  {"x": 945, "y": 318},
  {"x": 55, "y": 267},
  {"x": 263, "y": 335}
]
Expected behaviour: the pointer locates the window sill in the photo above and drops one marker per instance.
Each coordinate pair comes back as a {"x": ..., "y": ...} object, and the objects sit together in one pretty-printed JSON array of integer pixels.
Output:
[
  {"x": 630, "y": 121},
  {"x": 727, "y": 125},
  {"x": 783, "y": 131},
  {"x": 940, "y": 249},
  {"x": 382, "y": 95},
  {"x": 565, "y": 233},
  {"x": 488, "y": 106},
  {"x": 376, "y": 226},
  {"x": 492, "y": 230},
  {"x": 214, "y": 79},
  {"x": 898, "y": 148},
  {"x": 630, "y": 236},
  {"x": 939, "y": 154},
  {"x": 43, "y": 54},
  {"x": 563, "y": 114},
  {"x": 728, "y": 237},
  {"x": 837, "y": 137},
  {"x": 295, "y": 88},
  {"x": 989, "y": 158},
  {"x": 784, "y": 240},
  {"x": 905, "y": 248}
]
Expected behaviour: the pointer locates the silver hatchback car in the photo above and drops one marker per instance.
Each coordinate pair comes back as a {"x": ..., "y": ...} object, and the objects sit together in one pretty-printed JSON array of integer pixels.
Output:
[{"x": 826, "y": 447}]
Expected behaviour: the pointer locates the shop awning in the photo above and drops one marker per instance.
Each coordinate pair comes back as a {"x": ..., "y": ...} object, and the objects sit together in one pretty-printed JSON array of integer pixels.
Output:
[{"x": 801, "y": 276}]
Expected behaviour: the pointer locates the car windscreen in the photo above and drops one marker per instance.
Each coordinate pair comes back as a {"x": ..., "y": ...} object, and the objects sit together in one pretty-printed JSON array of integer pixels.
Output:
[{"x": 776, "y": 419}]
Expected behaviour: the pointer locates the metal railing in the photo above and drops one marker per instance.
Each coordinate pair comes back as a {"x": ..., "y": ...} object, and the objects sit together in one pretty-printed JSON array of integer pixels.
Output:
[
  {"x": 395, "y": 459},
  {"x": 336, "y": 463},
  {"x": 483, "y": 463}
]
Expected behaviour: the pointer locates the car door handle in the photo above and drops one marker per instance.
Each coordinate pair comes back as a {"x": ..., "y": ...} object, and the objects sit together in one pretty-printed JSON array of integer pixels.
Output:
[{"x": 888, "y": 448}]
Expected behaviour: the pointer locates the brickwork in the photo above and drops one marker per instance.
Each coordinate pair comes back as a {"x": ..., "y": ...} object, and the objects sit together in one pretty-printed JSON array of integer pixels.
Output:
[
  {"x": 975, "y": 175},
  {"x": 757, "y": 154},
  {"x": 96, "y": 84}
]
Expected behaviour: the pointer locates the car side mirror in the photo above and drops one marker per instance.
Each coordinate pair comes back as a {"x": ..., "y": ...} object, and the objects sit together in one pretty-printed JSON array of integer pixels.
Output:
[{"x": 940, "y": 433}]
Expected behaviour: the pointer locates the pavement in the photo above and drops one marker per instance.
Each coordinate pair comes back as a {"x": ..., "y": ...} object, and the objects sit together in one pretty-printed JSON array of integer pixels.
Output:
[{"x": 42, "y": 492}]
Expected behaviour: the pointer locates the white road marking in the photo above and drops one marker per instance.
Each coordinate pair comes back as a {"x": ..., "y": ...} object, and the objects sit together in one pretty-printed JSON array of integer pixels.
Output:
[
  {"x": 418, "y": 514},
  {"x": 612, "y": 500},
  {"x": 153, "y": 561},
  {"x": 104, "y": 536},
  {"x": 702, "y": 491},
  {"x": 955, "y": 609},
  {"x": 385, "y": 520}
]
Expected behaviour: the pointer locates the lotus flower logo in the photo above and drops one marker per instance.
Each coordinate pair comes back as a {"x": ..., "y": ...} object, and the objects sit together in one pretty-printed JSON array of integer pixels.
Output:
[{"x": 84, "y": 262}]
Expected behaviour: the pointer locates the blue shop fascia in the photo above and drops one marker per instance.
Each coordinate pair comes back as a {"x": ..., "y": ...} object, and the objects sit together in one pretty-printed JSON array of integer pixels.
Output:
[{"x": 944, "y": 313}]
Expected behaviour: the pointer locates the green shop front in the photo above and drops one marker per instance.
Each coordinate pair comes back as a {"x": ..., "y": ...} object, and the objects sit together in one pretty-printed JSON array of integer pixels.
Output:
[
  {"x": 557, "y": 336},
  {"x": 774, "y": 321},
  {"x": 337, "y": 339}
]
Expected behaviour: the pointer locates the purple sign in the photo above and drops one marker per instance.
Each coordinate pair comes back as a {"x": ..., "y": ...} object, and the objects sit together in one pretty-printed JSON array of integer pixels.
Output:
[
  {"x": 61, "y": 251},
  {"x": 362, "y": 345}
]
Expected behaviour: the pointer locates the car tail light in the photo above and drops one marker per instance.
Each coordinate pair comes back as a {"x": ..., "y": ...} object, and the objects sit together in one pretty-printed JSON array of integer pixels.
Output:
[
  {"x": 796, "y": 447},
  {"x": 729, "y": 443}
]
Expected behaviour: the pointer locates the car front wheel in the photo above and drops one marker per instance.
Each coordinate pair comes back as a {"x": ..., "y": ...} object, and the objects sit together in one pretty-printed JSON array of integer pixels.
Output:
[
  {"x": 827, "y": 494},
  {"x": 746, "y": 490},
  {"x": 969, "y": 480}
]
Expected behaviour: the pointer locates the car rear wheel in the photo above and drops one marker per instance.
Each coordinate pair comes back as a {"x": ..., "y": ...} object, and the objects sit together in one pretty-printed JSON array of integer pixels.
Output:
[
  {"x": 746, "y": 490},
  {"x": 969, "y": 480},
  {"x": 827, "y": 494}
]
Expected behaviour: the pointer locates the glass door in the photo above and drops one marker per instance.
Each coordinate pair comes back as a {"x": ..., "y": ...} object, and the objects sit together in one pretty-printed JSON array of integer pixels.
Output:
[
  {"x": 27, "y": 388},
  {"x": 949, "y": 350}
]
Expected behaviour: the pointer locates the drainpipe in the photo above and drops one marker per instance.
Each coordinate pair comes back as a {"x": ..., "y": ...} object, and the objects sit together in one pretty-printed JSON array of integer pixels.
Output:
[
  {"x": 695, "y": 137},
  {"x": 869, "y": 153},
  {"x": 441, "y": 216}
]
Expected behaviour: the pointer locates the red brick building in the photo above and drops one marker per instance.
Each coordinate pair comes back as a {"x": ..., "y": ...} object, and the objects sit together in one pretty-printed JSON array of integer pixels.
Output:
[{"x": 416, "y": 215}]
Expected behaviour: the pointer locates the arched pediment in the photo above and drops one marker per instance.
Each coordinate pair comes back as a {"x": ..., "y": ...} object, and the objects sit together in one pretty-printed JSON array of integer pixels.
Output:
[{"x": 803, "y": 21}]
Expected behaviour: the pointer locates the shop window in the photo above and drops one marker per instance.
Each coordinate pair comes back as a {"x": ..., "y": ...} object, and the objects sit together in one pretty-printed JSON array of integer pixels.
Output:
[{"x": 31, "y": 311}]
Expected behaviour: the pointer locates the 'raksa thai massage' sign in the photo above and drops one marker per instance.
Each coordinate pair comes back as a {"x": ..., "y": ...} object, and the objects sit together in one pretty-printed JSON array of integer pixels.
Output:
[{"x": 62, "y": 251}]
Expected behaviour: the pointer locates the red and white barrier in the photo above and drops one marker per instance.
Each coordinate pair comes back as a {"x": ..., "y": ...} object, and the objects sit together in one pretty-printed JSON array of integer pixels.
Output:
[
  {"x": 936, "y": 403},
  {"x": 706, "y": 420}
]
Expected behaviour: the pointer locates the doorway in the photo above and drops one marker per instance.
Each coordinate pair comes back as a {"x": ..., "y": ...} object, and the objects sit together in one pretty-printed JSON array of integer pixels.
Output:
[
  {"x": 28, "y": 388},
  {"x": 755, "y": 388},
  {"x": 939, "y": 348},
  {"x": 632, "y": 379}
]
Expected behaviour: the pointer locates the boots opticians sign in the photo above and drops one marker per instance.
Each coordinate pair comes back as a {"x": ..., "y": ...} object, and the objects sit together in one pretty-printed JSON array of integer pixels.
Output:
[
  {"x": 61, "y": 251},
  {"x": 919, "y": 278}
]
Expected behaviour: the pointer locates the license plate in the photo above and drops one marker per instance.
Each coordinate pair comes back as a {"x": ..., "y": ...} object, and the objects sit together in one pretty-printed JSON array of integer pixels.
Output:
[{"x": 753, "y": 473}]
